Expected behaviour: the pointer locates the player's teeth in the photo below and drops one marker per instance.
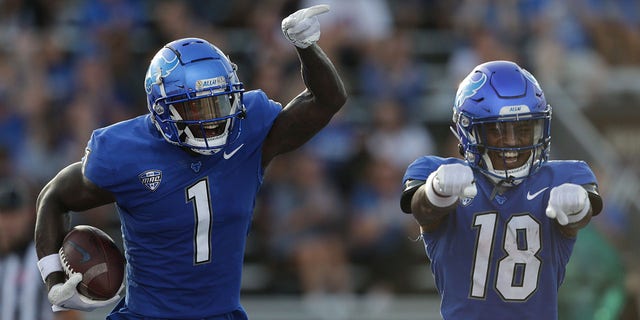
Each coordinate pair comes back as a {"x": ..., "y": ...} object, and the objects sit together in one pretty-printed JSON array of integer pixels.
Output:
[{"x": 510, "y": 154}]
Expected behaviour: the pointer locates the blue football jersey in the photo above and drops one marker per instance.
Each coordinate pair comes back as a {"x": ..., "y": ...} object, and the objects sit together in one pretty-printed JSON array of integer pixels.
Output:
[
  {"x": 501, "y": 258},
  {"x": 184, "y": 217}
]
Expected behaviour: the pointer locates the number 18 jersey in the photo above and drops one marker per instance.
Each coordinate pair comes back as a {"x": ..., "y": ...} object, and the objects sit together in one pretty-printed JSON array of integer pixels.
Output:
[{"x": 501, "y": 257}]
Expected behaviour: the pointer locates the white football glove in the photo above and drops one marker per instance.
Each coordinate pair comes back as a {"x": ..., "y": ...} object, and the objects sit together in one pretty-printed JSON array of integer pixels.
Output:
[
  {"x": 302, "y": 27},
  {"x": 568, "y": 203},
  {"x": 65, "y": 296},
  {"x": 450, "y": 182}
]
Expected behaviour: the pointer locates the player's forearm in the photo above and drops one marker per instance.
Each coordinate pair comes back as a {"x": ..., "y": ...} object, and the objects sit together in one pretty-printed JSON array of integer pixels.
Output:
[
  {"x": 571, "y": 229},
  {"x": 51, "y": 222},
  {"x": 428, "y": 215},
  {"x": 321, "y": 78}
]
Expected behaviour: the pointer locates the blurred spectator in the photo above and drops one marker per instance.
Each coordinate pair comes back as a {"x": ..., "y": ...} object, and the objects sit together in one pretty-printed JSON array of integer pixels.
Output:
[
  {"x": 594, "y": 286},
  {"x": 509, "y": 21},
  {"x": 12, "y": 122},
  {"x": 22, "y": 292},
  {"x": 394, "y": 138},
  {"x": 388, "y": 71},
  {"x": 6, "y": 163},
  {"x": 46, "y": 148},
  {"x": 364, "y": 20},
  {"x": 340, "y": 145},
  {"x": 108, "y": 21},
  {"x": 265, "y": 39},
  {"x": 175, "y": 19},
  {"x": 478, "y": 45},
  {"x": 354, "y": 25},
  {"x": 304, "y": 226},
  {"x": 422, "y": 15},
  {"x": 379, "y": 233},
  {"x": 612, "y": 25},
  {"x": 560, "y": 53}
]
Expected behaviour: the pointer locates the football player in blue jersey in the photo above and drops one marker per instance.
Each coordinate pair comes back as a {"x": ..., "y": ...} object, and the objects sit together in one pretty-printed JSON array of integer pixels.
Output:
[
  {"x": 499, "y": 225},
  {"x": 184, "y": 177}
]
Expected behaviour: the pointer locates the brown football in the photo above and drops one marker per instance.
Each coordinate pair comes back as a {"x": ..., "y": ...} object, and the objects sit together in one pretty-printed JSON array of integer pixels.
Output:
[{"x": 91, "y": 252}]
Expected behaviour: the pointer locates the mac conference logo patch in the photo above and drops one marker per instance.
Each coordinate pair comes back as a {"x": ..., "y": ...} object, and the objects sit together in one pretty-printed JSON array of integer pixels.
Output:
[
  {"x": 151, "y": 179},
  {"x": 465, "y": 201}
]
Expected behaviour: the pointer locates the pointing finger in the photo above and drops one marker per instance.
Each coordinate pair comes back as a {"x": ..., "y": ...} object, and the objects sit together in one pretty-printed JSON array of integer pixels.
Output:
[
  {"x": 551, "y": 213},
  {"x": 470, "y": 191},
  {"x": 562, "y": 219},
  {"x": 315, "y": 10}
]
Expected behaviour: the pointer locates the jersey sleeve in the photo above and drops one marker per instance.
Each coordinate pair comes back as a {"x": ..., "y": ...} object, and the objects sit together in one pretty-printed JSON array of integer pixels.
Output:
[
  {"x": 96, "y": 161},
  {"x": 421, "y": 168},
  {"x": 579, "y": 172},
  {"x": 584, "y": 176},
  {"x": 416, "y": 174},
  {"x": 261, "y": 112}
]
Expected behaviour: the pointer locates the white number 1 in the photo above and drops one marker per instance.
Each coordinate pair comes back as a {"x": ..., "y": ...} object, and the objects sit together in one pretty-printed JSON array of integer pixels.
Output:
[{"x": 198, "y": 193}]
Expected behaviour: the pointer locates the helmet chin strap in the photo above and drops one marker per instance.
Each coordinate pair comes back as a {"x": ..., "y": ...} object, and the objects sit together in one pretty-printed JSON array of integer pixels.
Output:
[
  {"x": 206, "y": 152},
  {"x": 221, "y": 142},
  {"x": 510, "y": 177}
]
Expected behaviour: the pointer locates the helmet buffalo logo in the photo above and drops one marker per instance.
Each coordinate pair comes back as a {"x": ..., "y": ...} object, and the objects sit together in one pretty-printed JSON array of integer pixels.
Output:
[
  {"x": 160, "y": 68},
  {"x": 151, "y": 179},
  {"x": 469, "y": 87}
]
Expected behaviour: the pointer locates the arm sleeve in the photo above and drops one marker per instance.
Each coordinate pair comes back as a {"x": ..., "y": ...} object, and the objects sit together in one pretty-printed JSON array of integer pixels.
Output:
[
  {"x": 410, "y": 187},
  {"x": 417, "y": 174},
  {"x": 594, "y": 198}
]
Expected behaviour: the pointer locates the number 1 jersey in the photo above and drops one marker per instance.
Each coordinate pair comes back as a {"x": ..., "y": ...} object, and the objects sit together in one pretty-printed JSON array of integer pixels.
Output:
[{"x": 184, "y": 217}]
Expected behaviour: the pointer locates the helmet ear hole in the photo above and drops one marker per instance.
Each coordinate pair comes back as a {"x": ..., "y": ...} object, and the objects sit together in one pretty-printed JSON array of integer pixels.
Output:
[{"x": 158, "y": 109}]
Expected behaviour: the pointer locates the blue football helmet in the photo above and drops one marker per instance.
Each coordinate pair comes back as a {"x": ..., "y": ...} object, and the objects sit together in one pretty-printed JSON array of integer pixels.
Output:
[
  {"x": 194, "y": 95},
  {"x": 503, "y": 121}
]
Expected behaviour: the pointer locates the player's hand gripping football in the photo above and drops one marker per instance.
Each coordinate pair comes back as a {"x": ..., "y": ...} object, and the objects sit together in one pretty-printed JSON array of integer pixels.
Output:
[
  {"x": 450, "y": 182},
  {"x": 568, "y": 203},
  {"x": 65, "y": 296},
  {"x": 302, "y": 27}
]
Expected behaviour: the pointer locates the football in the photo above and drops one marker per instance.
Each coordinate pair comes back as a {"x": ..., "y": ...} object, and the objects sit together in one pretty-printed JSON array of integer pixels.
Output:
[{"x": 91, "y": 252}]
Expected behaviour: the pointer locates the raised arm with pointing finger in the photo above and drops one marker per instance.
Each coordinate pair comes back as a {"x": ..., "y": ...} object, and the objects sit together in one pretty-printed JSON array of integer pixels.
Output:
[{"x": 185, "y": 176}]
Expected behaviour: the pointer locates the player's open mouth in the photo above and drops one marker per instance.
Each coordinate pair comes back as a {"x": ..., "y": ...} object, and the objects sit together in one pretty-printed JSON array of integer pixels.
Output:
[
  {"x": 211, "y": 126},
  {"x": 510, "y": 157},
  {"x": 214, "y": 129},
  {"x": 210, "y": 129}
]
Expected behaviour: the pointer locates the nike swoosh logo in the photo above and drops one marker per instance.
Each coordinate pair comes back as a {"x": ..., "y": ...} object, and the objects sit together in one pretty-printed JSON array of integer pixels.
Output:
[
  {"x": 85, "y": 255},
  {"x": 532, "y": 196},
  {"x": 228, "y": 156}
]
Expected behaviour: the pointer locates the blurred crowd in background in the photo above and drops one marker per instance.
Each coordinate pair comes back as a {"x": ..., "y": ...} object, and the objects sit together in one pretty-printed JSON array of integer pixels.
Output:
[{"x": 328, "y": 219}]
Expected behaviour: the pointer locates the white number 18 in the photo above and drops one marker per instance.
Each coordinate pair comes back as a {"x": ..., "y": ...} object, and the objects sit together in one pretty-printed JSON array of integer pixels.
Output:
[{"x": 518, "y": 272}]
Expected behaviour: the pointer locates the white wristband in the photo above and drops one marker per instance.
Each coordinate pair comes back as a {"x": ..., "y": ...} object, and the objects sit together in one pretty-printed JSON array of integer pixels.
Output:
[
  {"x": 436, "y": 200},
  {"x": 49, "y": 264}
]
